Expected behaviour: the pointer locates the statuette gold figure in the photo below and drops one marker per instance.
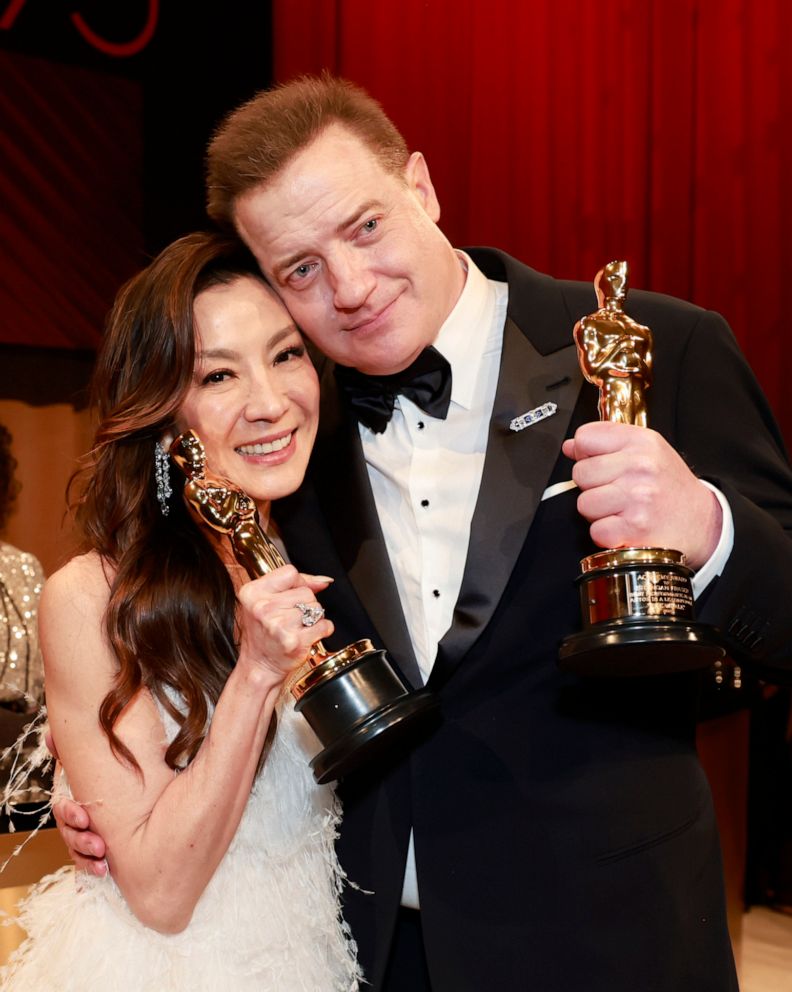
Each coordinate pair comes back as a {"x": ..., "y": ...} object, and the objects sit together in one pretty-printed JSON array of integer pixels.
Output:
[{"x": 615, "y": 351}]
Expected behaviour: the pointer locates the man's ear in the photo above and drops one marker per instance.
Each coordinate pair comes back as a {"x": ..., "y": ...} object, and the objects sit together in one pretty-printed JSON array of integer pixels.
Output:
[{"x": 416, "y": 174}]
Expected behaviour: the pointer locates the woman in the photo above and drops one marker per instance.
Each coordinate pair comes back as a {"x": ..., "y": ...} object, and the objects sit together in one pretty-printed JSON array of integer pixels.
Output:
[{"x": 165, "y": 666}]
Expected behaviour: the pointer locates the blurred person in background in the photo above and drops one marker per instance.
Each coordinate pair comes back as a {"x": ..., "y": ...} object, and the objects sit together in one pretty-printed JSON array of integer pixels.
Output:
[{"x": 21, "y": 668}]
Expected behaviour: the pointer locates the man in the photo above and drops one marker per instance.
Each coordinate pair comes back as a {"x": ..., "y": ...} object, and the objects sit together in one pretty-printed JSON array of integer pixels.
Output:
[{"x": 553, "y": 833}]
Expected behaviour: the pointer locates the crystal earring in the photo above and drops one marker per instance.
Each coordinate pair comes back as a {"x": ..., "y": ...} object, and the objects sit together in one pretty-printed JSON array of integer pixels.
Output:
[{"x": 162, "y": 475}]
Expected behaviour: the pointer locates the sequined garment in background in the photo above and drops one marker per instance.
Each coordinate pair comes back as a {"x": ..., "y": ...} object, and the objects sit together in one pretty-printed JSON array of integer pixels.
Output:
[
  {"x": 21, "y": 581},
  {"x": 21, "y": 687}
]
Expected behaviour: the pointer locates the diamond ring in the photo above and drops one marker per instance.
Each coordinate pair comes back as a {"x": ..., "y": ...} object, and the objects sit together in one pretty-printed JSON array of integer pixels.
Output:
[{"x": 311, "y": 613}]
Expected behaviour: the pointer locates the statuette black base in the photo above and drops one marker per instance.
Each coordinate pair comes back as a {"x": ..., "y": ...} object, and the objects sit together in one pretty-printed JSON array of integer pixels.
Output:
[
  {"x": 359, "y": 711},
  {"x": 376, "y": 736},
  {"x": 639, "y": 648}
]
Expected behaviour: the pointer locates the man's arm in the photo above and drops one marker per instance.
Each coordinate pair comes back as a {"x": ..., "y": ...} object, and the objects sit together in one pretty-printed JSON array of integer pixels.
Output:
[{"x": 86, "y": 848}]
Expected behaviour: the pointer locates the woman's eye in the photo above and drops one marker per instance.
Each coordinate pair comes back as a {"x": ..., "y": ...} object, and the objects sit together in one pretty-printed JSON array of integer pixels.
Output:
[
  {"x": 218, "y": 376},
  {"x": 295, "y": 351}
]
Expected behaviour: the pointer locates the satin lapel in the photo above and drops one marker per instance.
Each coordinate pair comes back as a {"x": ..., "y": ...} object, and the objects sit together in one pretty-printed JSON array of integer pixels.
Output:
[
  {"x": 516, "y": 469},
  {"x": 343, "y": 489}
]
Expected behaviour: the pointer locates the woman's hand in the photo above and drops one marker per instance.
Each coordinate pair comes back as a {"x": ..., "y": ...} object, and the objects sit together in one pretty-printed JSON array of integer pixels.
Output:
[{"x": 274, "y": 639}]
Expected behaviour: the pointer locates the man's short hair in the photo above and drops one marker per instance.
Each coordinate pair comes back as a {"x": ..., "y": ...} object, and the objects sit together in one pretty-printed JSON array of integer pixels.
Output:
[{"x": 258, "y": 139}]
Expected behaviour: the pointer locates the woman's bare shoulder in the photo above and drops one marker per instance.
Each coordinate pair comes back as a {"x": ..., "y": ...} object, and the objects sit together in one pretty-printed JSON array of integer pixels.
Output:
[
  {"x": 81, "y": 586},
  {"x": 78, "y": 659}
]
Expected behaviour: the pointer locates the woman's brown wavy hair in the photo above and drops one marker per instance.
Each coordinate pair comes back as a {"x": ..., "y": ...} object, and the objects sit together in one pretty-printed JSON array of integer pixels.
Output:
[{"x": 170, "y": 617}]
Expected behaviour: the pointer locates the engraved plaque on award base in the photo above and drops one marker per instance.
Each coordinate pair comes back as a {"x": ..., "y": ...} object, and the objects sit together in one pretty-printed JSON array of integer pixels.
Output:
[
  {"x": 356, "y": 703},
  {"x": 636, "y": 603},
  {"x": 637, "y": 607}
]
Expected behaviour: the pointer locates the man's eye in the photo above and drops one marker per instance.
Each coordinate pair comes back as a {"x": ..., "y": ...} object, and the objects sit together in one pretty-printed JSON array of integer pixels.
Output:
[
  {"x": 371, "y": 225},
  {"x": 303, "y": 271}
]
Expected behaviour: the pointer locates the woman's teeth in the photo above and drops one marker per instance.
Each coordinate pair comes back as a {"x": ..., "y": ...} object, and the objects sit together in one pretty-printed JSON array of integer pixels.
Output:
[{"x": 265, "y": 449}]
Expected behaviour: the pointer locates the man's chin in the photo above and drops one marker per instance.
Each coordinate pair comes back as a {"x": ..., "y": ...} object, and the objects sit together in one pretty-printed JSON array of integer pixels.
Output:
[{"x": 379, "y": 365}]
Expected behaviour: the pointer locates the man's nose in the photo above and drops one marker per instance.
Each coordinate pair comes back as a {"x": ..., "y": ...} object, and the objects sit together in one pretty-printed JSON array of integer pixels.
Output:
[{"x": 352, "y": 280}]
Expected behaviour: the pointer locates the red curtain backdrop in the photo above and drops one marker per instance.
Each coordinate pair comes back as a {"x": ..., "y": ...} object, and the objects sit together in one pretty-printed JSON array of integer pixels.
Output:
[
  {"x": 570, "y": 132},
  {"x": 70, "y": 199},
  {"x": 70, "y": 233}
]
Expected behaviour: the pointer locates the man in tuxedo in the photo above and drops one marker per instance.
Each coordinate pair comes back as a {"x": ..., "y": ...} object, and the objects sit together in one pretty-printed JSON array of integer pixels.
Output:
[{"x": 553, "y": 832}]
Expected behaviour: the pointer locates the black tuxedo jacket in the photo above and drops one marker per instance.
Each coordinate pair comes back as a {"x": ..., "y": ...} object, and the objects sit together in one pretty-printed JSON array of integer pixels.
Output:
[{"x": 564, "y": 832}]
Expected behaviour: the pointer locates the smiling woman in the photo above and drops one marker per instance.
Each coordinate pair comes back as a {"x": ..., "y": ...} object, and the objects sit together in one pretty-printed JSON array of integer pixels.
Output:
[{"x": 165, "y": 669}]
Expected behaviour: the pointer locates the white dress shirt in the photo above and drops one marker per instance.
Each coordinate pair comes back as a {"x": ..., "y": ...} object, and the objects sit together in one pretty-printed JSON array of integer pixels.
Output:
[{"x": 425, "y": 473}]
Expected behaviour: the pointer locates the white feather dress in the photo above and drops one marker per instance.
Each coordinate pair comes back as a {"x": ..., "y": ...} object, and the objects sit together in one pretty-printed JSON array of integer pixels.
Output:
[{"x": 269, "y": 918}]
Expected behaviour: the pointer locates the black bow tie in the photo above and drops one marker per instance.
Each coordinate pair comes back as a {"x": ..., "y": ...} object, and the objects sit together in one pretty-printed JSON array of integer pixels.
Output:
[{"x": 427, "y": 382}]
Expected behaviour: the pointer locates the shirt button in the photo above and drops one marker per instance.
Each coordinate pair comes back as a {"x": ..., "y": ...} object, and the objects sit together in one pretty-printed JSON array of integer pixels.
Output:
[
  {"x": 436, "y": 593},
  {"x": 421, "y": 425},
  {"x": 424, "y": 502}
]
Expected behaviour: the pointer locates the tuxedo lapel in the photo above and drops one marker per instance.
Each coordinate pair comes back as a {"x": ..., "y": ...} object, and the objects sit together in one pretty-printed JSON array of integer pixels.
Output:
[
  {"x": 516, "y": 469},
  {"x": 341, "y": 481}
]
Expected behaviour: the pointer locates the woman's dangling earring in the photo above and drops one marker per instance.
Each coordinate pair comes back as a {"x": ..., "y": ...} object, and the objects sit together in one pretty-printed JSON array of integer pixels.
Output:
[{"x": 162, "y": 475}]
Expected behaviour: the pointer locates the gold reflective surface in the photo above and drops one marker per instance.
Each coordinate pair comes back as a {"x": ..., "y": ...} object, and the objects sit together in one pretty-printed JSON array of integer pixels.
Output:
[
  {"x": 312, "y": 673},
  {"x": 615, "y": 352},
  {"x": 613, "y": 557}
]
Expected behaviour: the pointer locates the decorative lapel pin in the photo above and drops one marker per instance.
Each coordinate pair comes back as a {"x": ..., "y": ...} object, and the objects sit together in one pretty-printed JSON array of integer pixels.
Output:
[{"x": 532, "y": 416}]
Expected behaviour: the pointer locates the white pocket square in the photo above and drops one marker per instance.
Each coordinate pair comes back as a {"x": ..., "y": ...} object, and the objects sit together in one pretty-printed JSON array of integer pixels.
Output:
[{"x": 559, "y": 487}]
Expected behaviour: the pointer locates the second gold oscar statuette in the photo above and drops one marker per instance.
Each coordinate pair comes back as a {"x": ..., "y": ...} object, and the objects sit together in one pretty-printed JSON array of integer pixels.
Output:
[{"x": 637, "y": 603}]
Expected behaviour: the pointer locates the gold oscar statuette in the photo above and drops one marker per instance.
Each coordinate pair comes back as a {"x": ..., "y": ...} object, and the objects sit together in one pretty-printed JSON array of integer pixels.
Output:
[
  {"x": 637, "y": 603},
  {"x": 356, "y": 703}
]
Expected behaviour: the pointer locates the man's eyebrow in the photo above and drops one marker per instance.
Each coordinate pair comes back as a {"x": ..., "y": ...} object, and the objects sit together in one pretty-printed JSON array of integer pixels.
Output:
[
  {"x": 350, "y": 221},
  {"x": 362, "y": 209}
]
